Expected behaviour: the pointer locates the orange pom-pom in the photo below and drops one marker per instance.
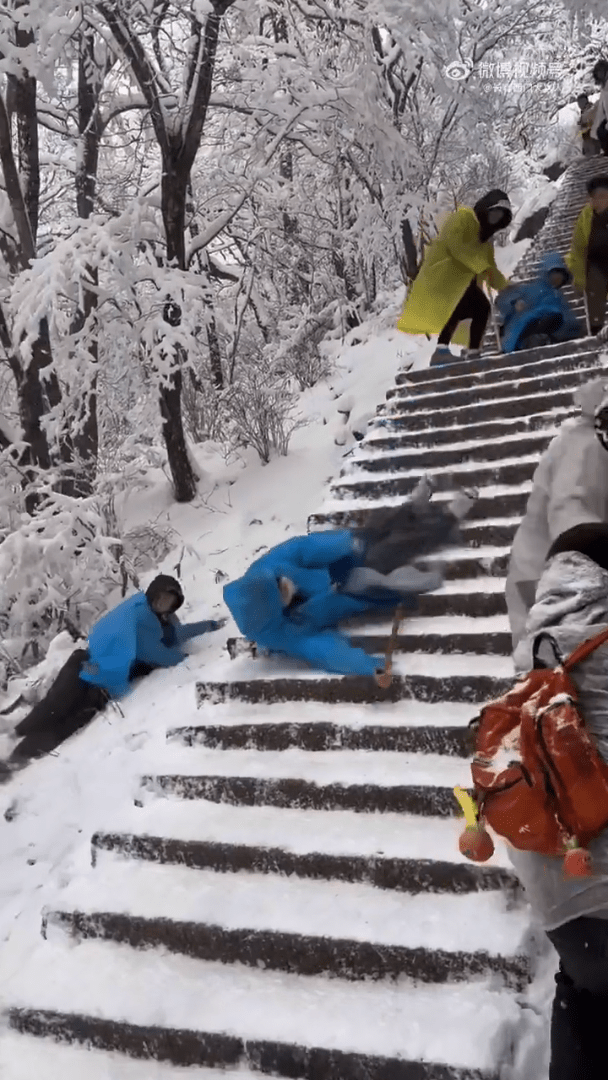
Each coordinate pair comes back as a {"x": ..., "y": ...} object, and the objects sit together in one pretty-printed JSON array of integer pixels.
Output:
[
  {"x": 577, "y": 863},
  {"x": 476, "y": 844}
]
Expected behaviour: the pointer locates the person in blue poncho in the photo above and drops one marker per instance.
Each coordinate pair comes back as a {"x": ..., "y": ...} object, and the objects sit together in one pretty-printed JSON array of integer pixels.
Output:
[
  {"x": 291, "y": 598},
  {"x": 141, "y": 634},
  {"x": 538, "y": 314}
]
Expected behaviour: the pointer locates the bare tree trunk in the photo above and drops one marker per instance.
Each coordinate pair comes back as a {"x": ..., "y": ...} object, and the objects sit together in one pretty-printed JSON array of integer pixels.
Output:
[
  {"x": 178, "y": 151},
  {"x": 213, "y": 341},
  {"x": 173, "y": 203},
  {"x": 86, "y": 439},
  {"x": 24, "y": 197}
]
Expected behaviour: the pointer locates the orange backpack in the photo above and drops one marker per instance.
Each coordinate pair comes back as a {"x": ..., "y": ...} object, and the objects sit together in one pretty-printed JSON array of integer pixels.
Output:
[{"x": 539, "y": 780}]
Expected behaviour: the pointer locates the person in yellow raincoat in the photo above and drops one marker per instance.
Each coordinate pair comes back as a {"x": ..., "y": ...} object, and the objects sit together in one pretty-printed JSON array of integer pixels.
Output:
[
  {"x": 447, "y": 289},
  {"x": 587, "y": 259}
]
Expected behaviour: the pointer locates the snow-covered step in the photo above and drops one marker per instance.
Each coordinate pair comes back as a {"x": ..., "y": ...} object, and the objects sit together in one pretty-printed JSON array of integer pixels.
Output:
[
  {"x": 91, "y": 992},
  {"x": 504, "y": 367},
  {"x": 359, "y": 912},
  {"x": 494, "y": 367},
  {"x": 350, "y": 767},
  {"x": 20, "y": 1060},
  {"x": 484, "y": 478},
  {"x": 504, "y": 361},
  {"x": 265, "y": 688},
  {"x": 325, "y": 736},
  {"x": 298, "y": 926},
  {"x": 375, "y": 837},
  {"x": 368, "y": 504},
  {"x": 466, "y": 640},
  {"x": 365, "y": 782},
  {"x": 406, "y": 415},
  {"x": 407, "y": 396},
  {"x": 386, "y": 435},
  {"x": 381, "y": 714},
  {"x": 472, "y": 471},
  {"x": 464, "y": 449}
]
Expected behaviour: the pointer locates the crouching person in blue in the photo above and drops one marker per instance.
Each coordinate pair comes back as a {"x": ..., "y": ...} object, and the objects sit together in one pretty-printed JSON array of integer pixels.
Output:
[
  {"x": 141, "y": 634},
  {"x": 538, "y": 314}
]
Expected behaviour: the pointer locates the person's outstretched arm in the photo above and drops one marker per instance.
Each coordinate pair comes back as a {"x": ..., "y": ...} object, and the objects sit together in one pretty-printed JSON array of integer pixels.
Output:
[
  {"x": 150, "y": 646},
  {"x": 185, "y": 631}
]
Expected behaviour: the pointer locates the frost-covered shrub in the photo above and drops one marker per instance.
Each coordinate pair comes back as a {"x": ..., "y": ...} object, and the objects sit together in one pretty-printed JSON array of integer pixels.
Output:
[
  {"x": 299, "y": 353},
  {"x": 261, "y": 408},
  {"x": 57, "y": 569}
]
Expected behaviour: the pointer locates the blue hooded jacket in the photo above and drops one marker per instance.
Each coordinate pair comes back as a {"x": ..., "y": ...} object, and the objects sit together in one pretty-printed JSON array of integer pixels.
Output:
[
  {"x": 541, "y": 298},
  {"x": 133, "y": 632},
  {"x": 314, "y": 563}
]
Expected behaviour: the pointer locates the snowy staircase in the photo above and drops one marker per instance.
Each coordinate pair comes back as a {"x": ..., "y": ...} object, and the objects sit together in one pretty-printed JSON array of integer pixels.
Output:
[{"x": 287, "y": 896}]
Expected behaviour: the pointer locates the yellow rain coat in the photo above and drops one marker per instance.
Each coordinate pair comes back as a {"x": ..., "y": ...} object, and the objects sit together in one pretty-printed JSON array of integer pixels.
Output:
[
  {"x": 450, "y": 263},
  {"x": 576, "y": 259}
]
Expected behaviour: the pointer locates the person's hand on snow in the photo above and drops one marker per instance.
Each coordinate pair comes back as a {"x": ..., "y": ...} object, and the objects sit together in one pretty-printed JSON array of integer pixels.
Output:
[{"x": 217, "y": 624}]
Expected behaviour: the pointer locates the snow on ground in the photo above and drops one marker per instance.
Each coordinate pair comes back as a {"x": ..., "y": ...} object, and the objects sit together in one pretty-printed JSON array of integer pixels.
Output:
[{"x": 49, "y": 813}]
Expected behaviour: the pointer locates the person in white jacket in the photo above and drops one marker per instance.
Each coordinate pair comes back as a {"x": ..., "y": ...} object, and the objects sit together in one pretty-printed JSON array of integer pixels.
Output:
[
  {"x": 571, "y": 606},
  {"x": 599, "y": 130},
  {"x": 569, "y": 487}
]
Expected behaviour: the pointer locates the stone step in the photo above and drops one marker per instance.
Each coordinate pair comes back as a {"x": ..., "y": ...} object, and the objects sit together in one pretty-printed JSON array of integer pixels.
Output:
[
  {"x": 413, "y": 875},
  {"x": 274, "y": 1023},
  {"x": 298, "y": 954},
  {"x": 505, "y": 502},
  {"x": 193, "y": 1048},
  {"x": 360, "y": 689},
  {"x": 379, "y": 438},
  {"x": 510, "y": 473},
  {"x": 405, "y": 398},
  {"x": 419, "y": 462},
  {"x": 505, "y": 369},
  {"x": 62, "y": 1061},
  {"x": 464, "y": 367},
  {"x": 492, "y": 644},
  {"x": 319, "y": 910},
  {"x": 294, "y": 793},
  {"x": 460, "y": 416},
  {"x": 325, "y": 736}
]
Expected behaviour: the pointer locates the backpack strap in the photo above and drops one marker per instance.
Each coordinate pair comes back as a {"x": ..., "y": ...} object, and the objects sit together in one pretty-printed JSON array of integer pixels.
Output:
[
  {"x": 538, "y": 640},
  {"x": 585, "y": 649}
]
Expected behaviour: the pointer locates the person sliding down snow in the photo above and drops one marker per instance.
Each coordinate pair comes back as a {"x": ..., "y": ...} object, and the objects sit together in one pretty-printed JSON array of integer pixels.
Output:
[
  {"x": 286, "y": 602},
  {"x": 289, "y": 600},
  {"x": 141, "y": 634},
  {"x": 397, "y": 536},
  {"x": 537, "y": 314}
]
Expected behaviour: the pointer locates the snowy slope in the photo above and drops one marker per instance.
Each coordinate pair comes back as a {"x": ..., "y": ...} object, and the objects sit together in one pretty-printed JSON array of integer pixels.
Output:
[{"x": 49, "y": 813}]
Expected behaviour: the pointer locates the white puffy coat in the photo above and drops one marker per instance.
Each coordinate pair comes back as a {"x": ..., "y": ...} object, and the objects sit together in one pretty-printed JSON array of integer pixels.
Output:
[{"x": 569, "y": 487}]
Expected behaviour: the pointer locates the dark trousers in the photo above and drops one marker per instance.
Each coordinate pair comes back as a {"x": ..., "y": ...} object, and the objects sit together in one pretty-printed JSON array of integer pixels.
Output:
[
  {"x": 596, "y": 289},
  {"x": 580, "y": 1007},
  {"x": 602, "y": 136},
  {"x": 474, "y": 305},
  {"x": 68, "y": 705}
]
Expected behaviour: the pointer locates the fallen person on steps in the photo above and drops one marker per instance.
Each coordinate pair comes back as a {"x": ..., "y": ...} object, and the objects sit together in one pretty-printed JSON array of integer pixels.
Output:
[
  {"x": 537, "y": 314},
  {"x": 291, "y": 598},
  {"x": 140, "y": 635}
]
